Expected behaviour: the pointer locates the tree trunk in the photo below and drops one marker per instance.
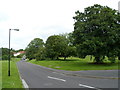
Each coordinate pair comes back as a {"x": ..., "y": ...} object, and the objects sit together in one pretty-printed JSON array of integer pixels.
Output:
[
  {"x": 52, "y": 58},
  {"x": 98, "y": 60},
  {"x": 90, "y": 57},
  {"x": 64, "y": 58},
  {"x": 57, "y": 58},
  {"x": 118, "y": 57}
]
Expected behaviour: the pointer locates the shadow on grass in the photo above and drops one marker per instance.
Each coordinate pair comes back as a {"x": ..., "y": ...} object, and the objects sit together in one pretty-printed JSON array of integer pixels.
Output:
[
  {"x": 68, "y": 60},
  {"x": 59, "y": 60}
]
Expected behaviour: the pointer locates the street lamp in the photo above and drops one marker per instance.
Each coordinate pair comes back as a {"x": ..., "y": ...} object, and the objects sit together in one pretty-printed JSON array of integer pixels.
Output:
[{"x": 9, "y": 51}]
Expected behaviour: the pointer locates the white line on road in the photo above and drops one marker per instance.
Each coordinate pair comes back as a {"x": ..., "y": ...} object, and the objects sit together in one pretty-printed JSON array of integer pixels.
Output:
[
  {"x": 56, "y": 78},
  {"x": 24, "y": 84},
  {"x": 23, "y": 81},
  {"x": 88, "y": 86}
]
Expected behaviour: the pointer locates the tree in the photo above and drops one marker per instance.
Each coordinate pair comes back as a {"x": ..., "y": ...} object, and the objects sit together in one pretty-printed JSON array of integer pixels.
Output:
[
  {"x": 96, "y": 32},
  {"x": 5, "y": 52},
  {"x": 19, "y": 50},
  {"x": 118, "y": 39},
  {"x": 70, "y": 49},
  {"x": 41, "y": 54},
  {"x": 33, "y": 48},
  {"x": 56, "y": 46},
  {"x": 69, "y": 38}
]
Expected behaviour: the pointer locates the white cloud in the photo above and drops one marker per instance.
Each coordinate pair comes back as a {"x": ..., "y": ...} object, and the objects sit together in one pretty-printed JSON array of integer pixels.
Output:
[{"x": 40, "y": 18}]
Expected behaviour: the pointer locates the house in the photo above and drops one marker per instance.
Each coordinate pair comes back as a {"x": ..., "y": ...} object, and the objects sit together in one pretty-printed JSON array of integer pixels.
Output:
[{"x": 18, "y": 53}]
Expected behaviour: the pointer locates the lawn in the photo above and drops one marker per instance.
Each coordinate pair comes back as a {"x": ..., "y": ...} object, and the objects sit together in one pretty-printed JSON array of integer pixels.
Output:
[
  {"x": 76, "y": 64},
  {"x": 12, "y": 81}
]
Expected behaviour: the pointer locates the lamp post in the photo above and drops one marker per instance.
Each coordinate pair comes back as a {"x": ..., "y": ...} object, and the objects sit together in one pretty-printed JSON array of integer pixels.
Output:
[{"x": 9, "y": 51}]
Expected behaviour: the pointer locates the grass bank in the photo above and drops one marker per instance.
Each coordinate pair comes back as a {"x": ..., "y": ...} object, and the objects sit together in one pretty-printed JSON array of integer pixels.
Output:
[
  {"x": 76, "y": 64},
  {"x": 12, "y": 81}
]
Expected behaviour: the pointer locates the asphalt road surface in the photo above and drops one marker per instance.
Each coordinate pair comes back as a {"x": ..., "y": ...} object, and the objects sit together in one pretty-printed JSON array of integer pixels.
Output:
[{"x": 35, "y": 76}]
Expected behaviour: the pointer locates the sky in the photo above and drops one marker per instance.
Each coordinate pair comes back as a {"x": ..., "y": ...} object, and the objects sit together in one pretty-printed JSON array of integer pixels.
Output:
[{"x": 40, "y": 18}]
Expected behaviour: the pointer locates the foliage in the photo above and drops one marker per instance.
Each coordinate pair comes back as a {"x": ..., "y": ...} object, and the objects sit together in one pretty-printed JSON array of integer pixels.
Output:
[
  {"x": 97, "y": 32},
  {"x": 71, "y": 39},
  {"x": 56, "y": 46},
  {"x": 4, "y": 57},
  {"x": 5, "y": 53},
  {"x": 33, "y": 48},
  {"x": 20, "y": 56},
  {"x": 70, "y": 49},
  {"x": 41, "y": 54},
  {"x": 19, "y": 50}
]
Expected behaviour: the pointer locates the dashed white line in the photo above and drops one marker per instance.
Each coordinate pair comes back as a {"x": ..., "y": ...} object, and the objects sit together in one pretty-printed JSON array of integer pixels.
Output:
[
  {"x": 88, "y": 86},
  {"x": 24, "y": 84},
  {"x": 57, "y": 78}
]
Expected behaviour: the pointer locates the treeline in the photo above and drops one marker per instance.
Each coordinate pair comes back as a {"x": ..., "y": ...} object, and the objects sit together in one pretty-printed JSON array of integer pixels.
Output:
[
  {"x": 96, "y": 33},
  {"x": 4, "y": 52},
  {"x": 56, "y": 46}
]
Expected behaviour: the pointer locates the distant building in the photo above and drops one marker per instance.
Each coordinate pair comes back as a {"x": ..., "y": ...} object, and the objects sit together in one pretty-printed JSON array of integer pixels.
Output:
[{"x": 18, "y": 53}]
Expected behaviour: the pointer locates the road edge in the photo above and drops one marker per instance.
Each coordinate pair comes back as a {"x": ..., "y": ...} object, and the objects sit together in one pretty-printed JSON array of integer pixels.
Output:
[{"x": 25, "y": 85}]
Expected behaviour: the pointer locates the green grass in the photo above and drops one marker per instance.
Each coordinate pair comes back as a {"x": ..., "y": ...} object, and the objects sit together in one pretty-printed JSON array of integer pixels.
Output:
[
  {"x": 12, "y": 81},
  {"x": 76, "y": 64}
]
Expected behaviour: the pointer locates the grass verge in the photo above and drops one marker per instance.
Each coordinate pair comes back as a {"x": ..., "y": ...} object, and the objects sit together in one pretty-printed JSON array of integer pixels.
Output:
[
  {"x": 12, "y": 81},
  {"x": 76, "y": 64}
]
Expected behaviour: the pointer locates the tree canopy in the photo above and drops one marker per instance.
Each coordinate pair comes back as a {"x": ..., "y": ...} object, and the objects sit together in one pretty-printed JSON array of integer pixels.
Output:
[
  {"x": 96, "y": 32},
  {"x": 56, "y": 45},
  {"x": 33, "y": 47}
]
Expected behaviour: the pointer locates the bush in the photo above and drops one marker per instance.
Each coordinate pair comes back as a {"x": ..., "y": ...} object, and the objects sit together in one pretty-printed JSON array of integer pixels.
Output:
[
  {"x": 5, "y": 57},
  {"x": 111, "y": 59}
]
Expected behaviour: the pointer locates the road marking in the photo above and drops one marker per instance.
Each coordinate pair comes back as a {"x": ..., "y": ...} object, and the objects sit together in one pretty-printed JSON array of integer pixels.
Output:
[
  {"x": 88, "y": 86},
  {"x": 23, "y": 81},
  {"x": 24, "y": 84},
  {"x": 56, "y": 78}
]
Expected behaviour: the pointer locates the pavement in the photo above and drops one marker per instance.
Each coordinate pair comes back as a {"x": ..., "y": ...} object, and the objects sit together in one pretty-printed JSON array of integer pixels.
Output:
[{"x": 36, "y": 76}]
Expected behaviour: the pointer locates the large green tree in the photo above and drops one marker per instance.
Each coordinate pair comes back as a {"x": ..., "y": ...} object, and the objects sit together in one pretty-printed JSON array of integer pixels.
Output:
[
  {"x": 96, "y": 32},
  {"x": 56, "y": 46},
  {"x": 41, "y": 54},
  {"x": 70, "y": 49},
  {"x": 33, "y": 48}
]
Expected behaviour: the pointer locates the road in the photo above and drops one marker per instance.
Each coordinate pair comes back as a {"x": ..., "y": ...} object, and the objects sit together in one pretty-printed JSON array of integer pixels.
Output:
[{"x": 35, "y": 76}]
